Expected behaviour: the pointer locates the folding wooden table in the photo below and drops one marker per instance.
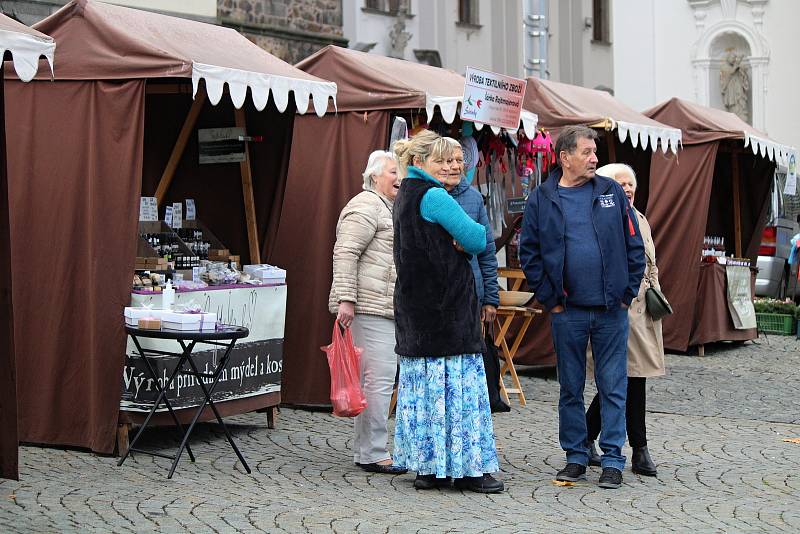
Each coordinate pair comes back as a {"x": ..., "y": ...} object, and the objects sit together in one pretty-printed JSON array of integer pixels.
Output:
[{"x": 506, "y": 316}]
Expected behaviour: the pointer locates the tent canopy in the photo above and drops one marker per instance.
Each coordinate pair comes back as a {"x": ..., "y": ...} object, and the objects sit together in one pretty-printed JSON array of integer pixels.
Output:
[
  {"x": 560, "y": 104},
  {"x": 701, "y": 124},
  {"x": 26, "y": 46},
  {"x": 100, "y": 41},
  {"x": 370, "y": 82}
]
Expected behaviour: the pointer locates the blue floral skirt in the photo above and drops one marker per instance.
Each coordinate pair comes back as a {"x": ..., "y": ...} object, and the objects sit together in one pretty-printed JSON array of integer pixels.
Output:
[{"x": 444, "y": 423}]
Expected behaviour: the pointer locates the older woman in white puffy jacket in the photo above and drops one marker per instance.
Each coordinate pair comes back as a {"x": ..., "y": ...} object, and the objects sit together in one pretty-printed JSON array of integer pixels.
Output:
[{"x": 362, "y": 298}]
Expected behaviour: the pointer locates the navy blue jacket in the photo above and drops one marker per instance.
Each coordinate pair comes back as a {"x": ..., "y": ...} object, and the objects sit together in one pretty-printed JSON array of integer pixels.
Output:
[
  {"x": 542, "y": 247},
  {"x": 484, "y": 265}
]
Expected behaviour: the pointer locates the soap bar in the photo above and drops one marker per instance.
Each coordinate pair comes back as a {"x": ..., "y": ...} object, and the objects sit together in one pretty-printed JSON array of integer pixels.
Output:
[{"x": 150, "y": 323}]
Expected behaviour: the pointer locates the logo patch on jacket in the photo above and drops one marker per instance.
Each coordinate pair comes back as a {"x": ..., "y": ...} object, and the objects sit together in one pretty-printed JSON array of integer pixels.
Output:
[{"x": 606, "y": 201}]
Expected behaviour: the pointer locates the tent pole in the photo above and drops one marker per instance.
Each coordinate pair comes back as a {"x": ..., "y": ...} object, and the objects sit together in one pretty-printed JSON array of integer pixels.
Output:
[
  {"x": 180, "y": 145},
  {"x": 612, "y": 150},
  {"x": 247, "y": 192},
  {"x": 737, "y": 208}
]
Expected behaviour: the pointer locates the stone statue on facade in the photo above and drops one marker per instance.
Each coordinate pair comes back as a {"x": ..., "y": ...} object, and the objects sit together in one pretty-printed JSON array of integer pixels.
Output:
[
  {"x": 734, "y": 82},
  {"x": 398, "y": 35}
]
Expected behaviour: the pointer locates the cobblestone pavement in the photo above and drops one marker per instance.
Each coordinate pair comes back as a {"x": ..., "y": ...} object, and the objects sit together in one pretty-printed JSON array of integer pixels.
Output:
[{"x": 716, "y": 429}]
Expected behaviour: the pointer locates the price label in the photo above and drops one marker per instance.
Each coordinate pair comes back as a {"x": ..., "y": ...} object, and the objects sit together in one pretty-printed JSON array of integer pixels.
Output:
[
  {"x": 191, "y": 211},
  {"x": 148, "y": 209},
  {"x": 177, "y": 215},
  {"x": 791, "y": 177},
  {"x": 168, "y": 216}
]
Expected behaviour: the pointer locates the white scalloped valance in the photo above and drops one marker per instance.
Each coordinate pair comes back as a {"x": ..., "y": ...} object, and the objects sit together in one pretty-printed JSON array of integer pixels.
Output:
[
  {"x": 260, "y": 87},
  {"x": 448, "y": 106},
  {"x": 670, "y": 138},
  {"x": 25, "y": 51},
  {"x": 774, "y": 151}
]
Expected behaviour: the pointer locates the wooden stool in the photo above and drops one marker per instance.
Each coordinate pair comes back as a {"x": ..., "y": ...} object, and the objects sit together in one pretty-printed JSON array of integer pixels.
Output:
[{"x": 508, "y": 314}]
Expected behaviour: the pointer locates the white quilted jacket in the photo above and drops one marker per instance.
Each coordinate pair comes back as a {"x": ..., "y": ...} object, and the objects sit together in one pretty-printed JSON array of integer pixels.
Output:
[{"x": 363, "y": 263}]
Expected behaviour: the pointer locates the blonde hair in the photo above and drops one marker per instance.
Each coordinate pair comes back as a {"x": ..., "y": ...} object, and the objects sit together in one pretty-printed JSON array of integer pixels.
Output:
[
  {"x": 425, "y": 145},
  {"x": 375, "y": 165},
  {"x": 612, "y": 170}
]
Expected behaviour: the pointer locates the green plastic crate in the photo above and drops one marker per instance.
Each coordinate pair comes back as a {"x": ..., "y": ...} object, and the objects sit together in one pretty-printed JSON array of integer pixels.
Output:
[{"x": 775, "y": 323}]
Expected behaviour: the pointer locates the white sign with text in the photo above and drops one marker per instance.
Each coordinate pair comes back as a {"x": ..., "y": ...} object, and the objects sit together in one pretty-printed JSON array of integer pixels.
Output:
[{"x": 493, "y": 99}]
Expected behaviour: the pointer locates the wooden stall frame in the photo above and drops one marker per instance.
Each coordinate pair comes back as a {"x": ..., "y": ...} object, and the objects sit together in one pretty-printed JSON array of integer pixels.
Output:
[
  {"x": 180, "y": 147},
  {"x": 123, "y": 430}
]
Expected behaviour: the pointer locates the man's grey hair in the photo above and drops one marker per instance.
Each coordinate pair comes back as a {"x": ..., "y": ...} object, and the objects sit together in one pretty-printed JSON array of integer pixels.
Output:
[
  {"x": 568, "y": 139},
  {"x": 375, "y": 165}
]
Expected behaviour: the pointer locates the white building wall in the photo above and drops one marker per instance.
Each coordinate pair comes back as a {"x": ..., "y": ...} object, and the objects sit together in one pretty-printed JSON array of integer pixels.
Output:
[
  {"x": 495, "y": 44},
  {"x": 360, "y": 26},
  {"x": 598, "y": 65},
  {"x": 664, "y": 49},
  {"x": 783, "y": 105}
]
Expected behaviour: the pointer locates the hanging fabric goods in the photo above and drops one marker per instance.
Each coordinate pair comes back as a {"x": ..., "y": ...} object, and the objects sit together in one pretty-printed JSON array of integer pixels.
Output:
[
  {"x": 399, "y": 131},
  {"x": 470, "y": 148},
  {"x": 543, "y": 144},
  {"x": 467, "y": 129},
  {"x": 510, "y": 158}
]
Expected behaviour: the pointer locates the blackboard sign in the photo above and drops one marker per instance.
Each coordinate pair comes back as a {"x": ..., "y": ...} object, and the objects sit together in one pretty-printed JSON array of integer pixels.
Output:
[
  {"x": 253, "y": 369},
  {"x": 516, "y": 205},
  {"x": 221, "y": 145}
]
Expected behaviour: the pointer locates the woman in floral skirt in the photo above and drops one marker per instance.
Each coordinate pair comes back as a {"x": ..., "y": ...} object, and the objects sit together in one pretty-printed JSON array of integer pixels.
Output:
[{"x": 443, "y": 430}]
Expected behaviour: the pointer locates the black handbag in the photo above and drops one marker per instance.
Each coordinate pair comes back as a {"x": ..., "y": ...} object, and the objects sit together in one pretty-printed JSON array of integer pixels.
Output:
[
  {"x": 491, "y": 364},
  {"x": 657, "y": 304}
]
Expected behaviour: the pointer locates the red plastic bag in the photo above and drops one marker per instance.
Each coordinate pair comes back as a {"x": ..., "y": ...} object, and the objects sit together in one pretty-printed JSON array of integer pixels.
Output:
[{"x": 344, "y": 360}]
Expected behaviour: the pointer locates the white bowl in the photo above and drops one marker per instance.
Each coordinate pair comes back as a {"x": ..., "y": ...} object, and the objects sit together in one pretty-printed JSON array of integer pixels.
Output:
[{"x": 515, "y": 298}]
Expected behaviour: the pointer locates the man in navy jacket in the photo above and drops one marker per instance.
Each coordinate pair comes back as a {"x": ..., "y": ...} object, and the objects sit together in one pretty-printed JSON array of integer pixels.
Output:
[{"x": 583, "y": 256}]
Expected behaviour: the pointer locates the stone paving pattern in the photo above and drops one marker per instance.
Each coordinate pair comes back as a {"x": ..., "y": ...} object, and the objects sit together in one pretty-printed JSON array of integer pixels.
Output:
[{"x": 716, "y": 430}]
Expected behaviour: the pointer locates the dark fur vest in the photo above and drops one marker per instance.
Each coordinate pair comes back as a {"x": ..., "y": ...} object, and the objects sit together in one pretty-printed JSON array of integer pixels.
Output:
[{"x": 435, "y": 306}]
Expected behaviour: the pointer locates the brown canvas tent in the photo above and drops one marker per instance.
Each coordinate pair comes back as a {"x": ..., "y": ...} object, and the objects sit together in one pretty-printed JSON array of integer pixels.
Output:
[
  {"x": 328, "y": 157},
  {"x": 718, "y": 186},
  {"x": 88, "y": 144},
  {"x": 25, "y": 46},
  {"x": 630, "y": 137}
]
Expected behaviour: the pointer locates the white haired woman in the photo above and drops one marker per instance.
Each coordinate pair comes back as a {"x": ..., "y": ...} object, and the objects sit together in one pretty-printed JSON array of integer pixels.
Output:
[
  {"x": 362, "y": 298},
  {"x": 645, "y": 344}
]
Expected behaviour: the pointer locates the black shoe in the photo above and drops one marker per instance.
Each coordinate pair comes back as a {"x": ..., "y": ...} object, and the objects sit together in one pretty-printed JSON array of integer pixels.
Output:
[
  {"x": 425, "y": 482},
  {"x": 499, "y": 406},
  {"x": 572, "y": 473},
  {"x": 594, "y": 456},
  {"x": 641, "y": 463},
  {"x": 388, "y": 469},
  {"x": 611, "y": 478},
  {"x": 485, "y": 484}
]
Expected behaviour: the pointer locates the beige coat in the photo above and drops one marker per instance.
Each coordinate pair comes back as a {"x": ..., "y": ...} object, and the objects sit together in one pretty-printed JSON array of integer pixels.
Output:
[
  {"x": 363, "y": 262},
  {"x": 645, "y": 341}
]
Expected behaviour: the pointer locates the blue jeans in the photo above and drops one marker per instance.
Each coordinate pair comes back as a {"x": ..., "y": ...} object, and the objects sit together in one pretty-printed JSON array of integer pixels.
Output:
[{"x": 608, "y": 332}]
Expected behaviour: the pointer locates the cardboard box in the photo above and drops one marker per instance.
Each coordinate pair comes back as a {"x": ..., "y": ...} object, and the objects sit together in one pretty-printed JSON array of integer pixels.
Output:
[
  {"x": 149, "y": 323},
  {"x": 189, "y": 321},
  {"x": 132, "y": 315},
  {"x": 268, "y": 274},
  {"x": 219, "y": 254}
]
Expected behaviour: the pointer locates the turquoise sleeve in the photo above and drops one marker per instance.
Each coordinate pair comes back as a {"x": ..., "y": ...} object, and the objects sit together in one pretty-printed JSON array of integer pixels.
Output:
[{"x": 439, "y": 207}]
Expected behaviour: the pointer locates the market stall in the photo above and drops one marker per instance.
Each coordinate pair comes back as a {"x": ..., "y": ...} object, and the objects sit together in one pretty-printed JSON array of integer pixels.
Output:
[
  {"x": 327, "y": 160},
  {"x": 24, "y": 46},
  {"x": 719, "y": 188},
  {"x": 625, "y": 136},
  {"x": 125, "y": 119}
]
